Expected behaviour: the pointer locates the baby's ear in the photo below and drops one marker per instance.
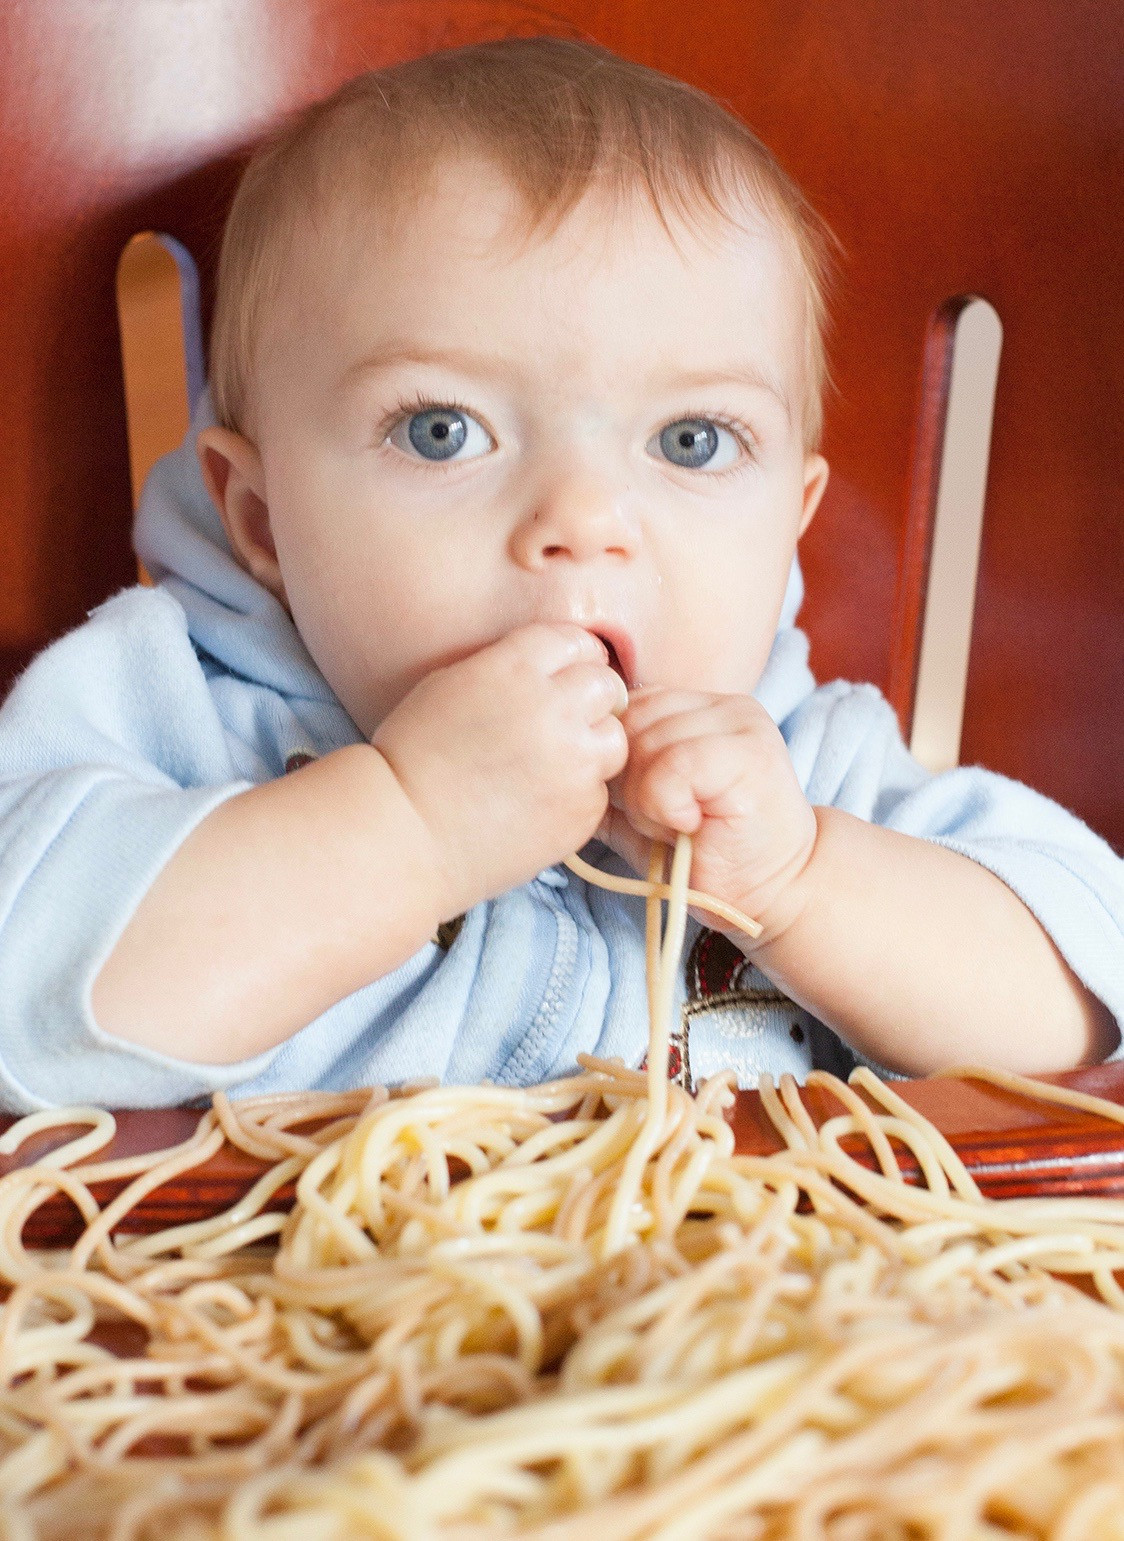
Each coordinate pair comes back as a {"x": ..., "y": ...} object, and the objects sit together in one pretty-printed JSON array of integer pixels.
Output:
[
  {"x": 233, "y": 475},
  {"x": 815, "y": 481}
]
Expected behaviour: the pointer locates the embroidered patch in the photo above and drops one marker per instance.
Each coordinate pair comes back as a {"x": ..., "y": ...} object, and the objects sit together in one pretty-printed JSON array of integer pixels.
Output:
[
  {"x": 714, "y": 965},
  {"x": 719, "y": 974},
  {"x": 739, "y": 1005},
  {"x": 678, "y": 1063}
]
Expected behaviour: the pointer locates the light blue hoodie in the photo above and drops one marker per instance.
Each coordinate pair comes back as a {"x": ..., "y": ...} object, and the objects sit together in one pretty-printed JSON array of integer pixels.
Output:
[{"x": 123, "y": 735}]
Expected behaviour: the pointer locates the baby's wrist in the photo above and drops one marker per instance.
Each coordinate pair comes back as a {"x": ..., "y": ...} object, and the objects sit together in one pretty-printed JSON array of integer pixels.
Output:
[
  {"x": 431, "y": 860},
  {"x": 780, "y": 908}
]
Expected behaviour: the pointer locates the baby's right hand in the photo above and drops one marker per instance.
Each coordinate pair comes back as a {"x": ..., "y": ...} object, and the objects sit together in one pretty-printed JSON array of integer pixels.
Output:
[{"x": 505, "y": 757}]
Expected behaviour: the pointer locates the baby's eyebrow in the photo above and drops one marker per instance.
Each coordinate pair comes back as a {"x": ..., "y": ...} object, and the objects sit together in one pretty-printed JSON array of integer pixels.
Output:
[
  {"x": 746, "y": 375},
  {"x": 391, "y": 354}
]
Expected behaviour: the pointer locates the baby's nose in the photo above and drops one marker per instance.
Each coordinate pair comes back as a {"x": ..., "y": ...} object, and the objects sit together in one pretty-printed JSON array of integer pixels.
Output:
[{"x": 576, "y": 518}]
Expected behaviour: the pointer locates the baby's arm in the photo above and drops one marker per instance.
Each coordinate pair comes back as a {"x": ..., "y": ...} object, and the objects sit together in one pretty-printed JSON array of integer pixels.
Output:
[
  {"x": 921, "y": 958},
  {"x": 291, "y": 895},
  {"x": 918, "y": 956}
]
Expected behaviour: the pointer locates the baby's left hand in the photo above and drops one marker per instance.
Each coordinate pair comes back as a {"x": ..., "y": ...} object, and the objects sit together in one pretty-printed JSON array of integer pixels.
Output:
[{"x": 714, "y": 767}]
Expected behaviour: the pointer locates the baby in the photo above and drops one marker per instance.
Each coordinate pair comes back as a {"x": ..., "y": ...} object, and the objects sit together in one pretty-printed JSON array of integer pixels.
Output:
[{"x": 516, "y": 369}]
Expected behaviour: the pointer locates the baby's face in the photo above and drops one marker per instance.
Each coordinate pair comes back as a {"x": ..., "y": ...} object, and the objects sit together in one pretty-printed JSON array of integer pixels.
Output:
[{"x": 461, "y": 432}]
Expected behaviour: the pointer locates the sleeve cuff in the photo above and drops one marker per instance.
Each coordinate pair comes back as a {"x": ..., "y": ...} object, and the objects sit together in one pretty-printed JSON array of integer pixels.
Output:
[{"x": 111, "y": 837}]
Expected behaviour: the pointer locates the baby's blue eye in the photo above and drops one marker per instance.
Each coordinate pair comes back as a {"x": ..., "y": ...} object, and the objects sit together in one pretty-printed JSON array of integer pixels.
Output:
[
  {"x": 441, "y": 433},
  {"x": 694, "y": 442}
]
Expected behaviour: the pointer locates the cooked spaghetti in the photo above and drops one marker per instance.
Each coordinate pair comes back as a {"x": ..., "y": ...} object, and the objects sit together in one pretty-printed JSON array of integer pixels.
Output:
[{"x": 561, "y": 1312}]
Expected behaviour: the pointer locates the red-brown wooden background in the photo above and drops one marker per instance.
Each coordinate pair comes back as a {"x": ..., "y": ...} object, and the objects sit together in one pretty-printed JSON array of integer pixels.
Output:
[{"x": 956, "y": 146}]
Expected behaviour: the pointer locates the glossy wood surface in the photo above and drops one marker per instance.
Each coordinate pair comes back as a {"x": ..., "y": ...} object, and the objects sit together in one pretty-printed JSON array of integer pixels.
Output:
[
  {"x": 956, "y": 146},
  {"x": 1013, "y": 1147}
]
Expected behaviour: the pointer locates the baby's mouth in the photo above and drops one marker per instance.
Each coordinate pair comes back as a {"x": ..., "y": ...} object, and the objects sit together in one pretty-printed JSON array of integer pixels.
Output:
[{"x": 621, "y": 659}]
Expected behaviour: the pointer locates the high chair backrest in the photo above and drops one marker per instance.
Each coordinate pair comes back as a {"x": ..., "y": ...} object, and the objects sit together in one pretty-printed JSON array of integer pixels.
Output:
[{"x": 957, "y": 148}]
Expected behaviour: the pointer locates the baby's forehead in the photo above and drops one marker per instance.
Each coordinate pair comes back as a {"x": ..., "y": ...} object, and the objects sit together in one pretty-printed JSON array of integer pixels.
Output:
[
  {"x": 469, "y": 206},
  {"x": 469, "y": 229}
]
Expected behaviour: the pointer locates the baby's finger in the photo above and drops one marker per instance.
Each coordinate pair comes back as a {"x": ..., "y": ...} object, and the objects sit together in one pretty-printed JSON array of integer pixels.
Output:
[
  {"x": 633, "y": 844},
  {"x": 610, "y": 746},
  {"x": 717, "y": 716},
  {"x": 666, "y": 801},
  {"x": 595, "y": 691},
  {"x": 649, "y": 706},
  {"x": 648, "y": 829},
  {"x": 692, "y": 779},
  {"x": 550, "y": 648}
]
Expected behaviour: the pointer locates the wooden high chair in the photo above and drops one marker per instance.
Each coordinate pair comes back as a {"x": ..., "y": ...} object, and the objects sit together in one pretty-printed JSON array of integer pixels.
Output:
[{"x": 960, "y": 149}]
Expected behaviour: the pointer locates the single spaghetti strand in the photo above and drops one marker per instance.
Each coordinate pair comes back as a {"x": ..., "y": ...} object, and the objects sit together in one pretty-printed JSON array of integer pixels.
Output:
[
  {"x": 103, "y": 1127},
  {"x": 1038, "y": 1091},
  {"x": 657, "y": 860},
  {"x": 643, "y": 890}
]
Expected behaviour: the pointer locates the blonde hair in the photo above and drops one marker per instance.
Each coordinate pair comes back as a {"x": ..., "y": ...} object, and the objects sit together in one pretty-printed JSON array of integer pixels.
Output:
[{"x": 554, "y": 115}]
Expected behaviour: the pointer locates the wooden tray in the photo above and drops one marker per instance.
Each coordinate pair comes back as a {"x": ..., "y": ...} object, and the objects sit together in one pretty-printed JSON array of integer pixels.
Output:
[{"x": 1012, "y": 1146}]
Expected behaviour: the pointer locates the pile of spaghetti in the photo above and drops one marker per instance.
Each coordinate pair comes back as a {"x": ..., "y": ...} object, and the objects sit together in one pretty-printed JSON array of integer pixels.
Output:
[{"x": 571, "y": 1311}]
